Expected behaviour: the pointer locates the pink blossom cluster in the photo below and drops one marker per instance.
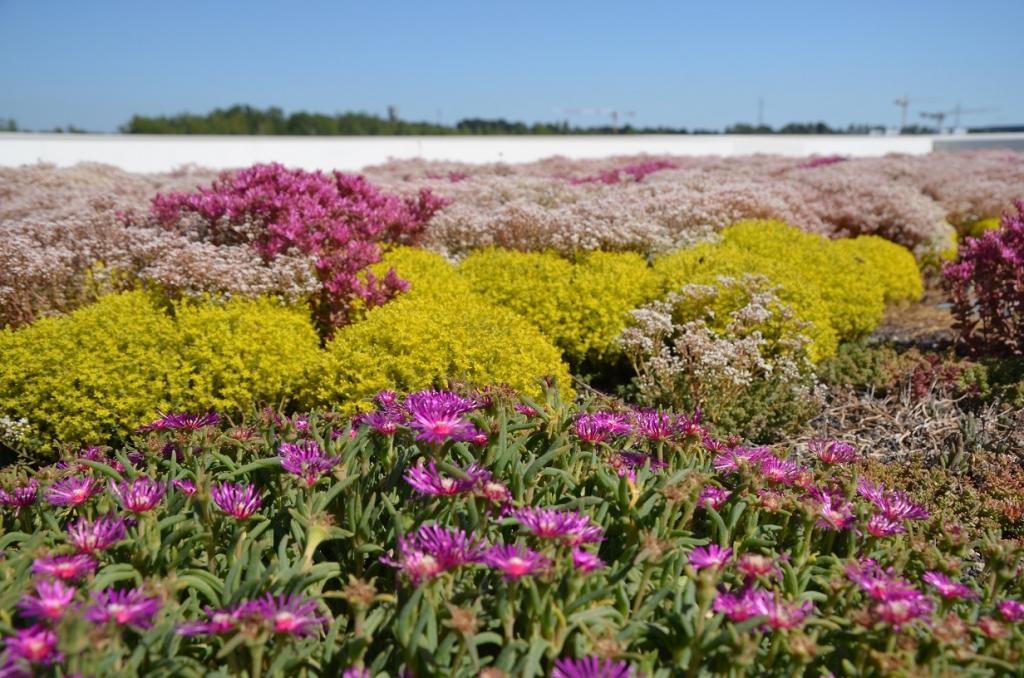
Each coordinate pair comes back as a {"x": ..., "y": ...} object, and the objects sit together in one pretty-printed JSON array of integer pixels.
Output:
[
  {"x": 986, "y": 283},
  {"x": 341, "y": 220}
]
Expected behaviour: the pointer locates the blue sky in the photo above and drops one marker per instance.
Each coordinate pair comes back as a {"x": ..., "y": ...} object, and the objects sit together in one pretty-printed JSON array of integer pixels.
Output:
[{"x": 695, "y": 64}]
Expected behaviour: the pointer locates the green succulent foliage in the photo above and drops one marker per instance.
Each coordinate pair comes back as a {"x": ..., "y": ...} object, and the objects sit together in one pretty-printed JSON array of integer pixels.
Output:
[{"x": 324, "y": 540}]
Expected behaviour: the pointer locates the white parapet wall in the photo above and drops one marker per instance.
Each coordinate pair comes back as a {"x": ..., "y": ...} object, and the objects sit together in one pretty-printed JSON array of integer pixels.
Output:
[{"x": 161, "y": 153}]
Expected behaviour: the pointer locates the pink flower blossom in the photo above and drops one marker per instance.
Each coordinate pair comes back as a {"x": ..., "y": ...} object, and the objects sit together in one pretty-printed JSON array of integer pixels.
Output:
[
  {"x": 713, "y": 496},
  {"x": 139, "y": 495},
  {"x": 515, "y": 561},
  {"x": 712, "y": 556},
  {"x": 947, "y": 587},
  {"x": 306, "y": 460},
  {"x": 124, "y": 608},
  {"x": 72, "y": 491},
  {"x": 571, "y": 527},
  {"x": 291, "y": 615},
  {"x": 90, "y": 536},
  {"x": 833, "y": 451},
  {"x": 36, "y": 645},
  {"x": 52, "y": 599},
  {"x": 433, "y": 549},
  {"x": 585, "y": 561},
  {"x": 65, "y": 567},
  {"x": 239, "y": 500}
]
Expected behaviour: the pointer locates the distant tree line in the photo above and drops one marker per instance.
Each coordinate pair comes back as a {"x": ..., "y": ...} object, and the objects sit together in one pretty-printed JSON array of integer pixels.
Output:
[{"x": 249, "y": 120}]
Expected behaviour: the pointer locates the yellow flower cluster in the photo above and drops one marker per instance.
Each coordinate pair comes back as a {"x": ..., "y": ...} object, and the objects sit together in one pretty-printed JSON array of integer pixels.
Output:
[
  {"x": 581, "y": 307},
  {"x": 109, "y": 367},
  {"x": 839, "y": 286}
]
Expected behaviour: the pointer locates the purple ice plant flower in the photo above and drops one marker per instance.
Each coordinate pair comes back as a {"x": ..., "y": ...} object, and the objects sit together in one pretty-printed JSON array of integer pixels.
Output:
[
  {"x": 72, "y": 491},
  {"x": 713, "y": 496},
  {"x": 781, "y": 614},
  {"x": 439, "y": 416},
  {"x": 711, "y": 556},
  {"x": 833, "y": 451},
  {"x": 186, "y": 486},
  {"x": 217, "y": 622},
  {"x": 735, "y": 459},
  {"x": 515, "y": 561},
  {"x": 36, "y": 645},
  {"x": 571, "y": 527},
  {"x": 356, "y": 672},
  {"x": 947, "y": 587},
  {"x": 1011, "y": 610},
  {"x": 181, "y": 422},
  {"x": 781, "y": 471},
  {"x": 65, "y": 567},
  {"x": 239, "y": 500},
  {"x": 626, "y": 464},
  {"x": 654, "y": 425},
  {"x": 880, "y": 526},
  {"x": 591, "y": 667},
  {"x": 291, "y": 615},
  {"x": 433, "y": 549},
  {"x": 20, "y": 496},
  {"x": 585, "y": 561},
  {"x": 306, "y": 460},
  {"x": 52, "y": 599},
  {"x": 124, "y": 608},
  {"x": 385, "y": 423},
  {"x": 895, "y": 601},
  {"x": 91, "y": 536},
  {"x": 754, "y": 565},
  {"x": 833, "y": 510},
  {"x": 426, "y": 479},
  {"x": 139, "y": 495},
  {"x": 893, "y": 505},
  {"x": 597, "y": 427}
]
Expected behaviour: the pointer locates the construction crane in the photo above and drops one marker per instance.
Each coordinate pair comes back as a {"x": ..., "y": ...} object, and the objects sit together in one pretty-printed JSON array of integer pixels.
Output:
[
  {"x": 615, "y": 115},
  {"x": 904, "y": 103},
  {"x": 940, "y": 116}
]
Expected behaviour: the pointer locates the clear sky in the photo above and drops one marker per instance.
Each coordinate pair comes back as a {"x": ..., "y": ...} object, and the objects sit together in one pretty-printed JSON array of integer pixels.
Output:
[{"x": 94, "y": 63}]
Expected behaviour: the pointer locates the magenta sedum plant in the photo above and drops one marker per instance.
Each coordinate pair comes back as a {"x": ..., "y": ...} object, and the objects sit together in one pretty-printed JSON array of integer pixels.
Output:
[
  {"x": 986, "y": 284},
  {"x": 342, "y": 220}
]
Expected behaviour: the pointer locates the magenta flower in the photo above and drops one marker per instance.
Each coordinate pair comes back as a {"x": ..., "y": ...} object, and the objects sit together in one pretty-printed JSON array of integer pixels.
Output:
[
  {"x": 1011, "y": 610},
  {"x": 50, "y": 602},
  {"x": 21, "y": 496},
  {"x": 72, "y": 491},
  {"x": 139, "y": 495},
  {"x": 628, "y": 463},
  {"x": 123, "y": 608},
  {"x": 65, "y": 567},
  {"x": 653, "y": 425},
  {"x": 438, "y": 416},
  {"x": 431, "y": 550},
  {"x": 573, "y": 528},
  {"x": 780, "y": 614},
  {"x": 385, "y": 423},
  {"x": 186, "y": 486},
  {"x": 734, "y": 459},
  {"x": 690, "y": 426},
  {"x": 781, "y": 471},
  {"x": 753, "y": 565},
  {"x": 494, "y": 492},
  {"x": 896, "y": 601},
  {"x": 239, "y": 500},
  {"x": 947, "y": 587},
  {"x": 738, "y": 607},
  {"x": 597, "y": 427},
  {"x": 217, "y": 622},
  {"x": 306, "y": 460},
  {"x": 356, "y": 672},
  {"x": 291, "y": 615},
  {"x": 713, "y": 556},
  {"x": 591, "y": 667},
  {"x": 880, "y": 526},
  {"x": 713, "y": 496},
  {"x": 893, "y": 505},
  {"x": 90, "y": 536},
  {"x": 35, "y": 645},
  {"x": 833, "y": 510},
  {"x": 585, "y": 561},
  {"x": 426, "y": 479},
  {"x": 515, "y": 561},
  {"x": 833, "y": 451},
  {"x": 181, "y": 422}
]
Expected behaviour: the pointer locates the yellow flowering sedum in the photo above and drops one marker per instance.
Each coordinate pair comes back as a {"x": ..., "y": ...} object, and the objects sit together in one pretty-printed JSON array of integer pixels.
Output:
[
  {"x": 423, "y": 339},
  {"x": 581, "y": 307},
  {"x": 103, "y": 370}
]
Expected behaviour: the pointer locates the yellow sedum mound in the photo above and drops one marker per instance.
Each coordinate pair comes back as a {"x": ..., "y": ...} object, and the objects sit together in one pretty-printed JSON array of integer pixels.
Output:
[
  {"x": 581, "y": 307},
  {"x": 427, "y": 337},
  {"x": 839, "y": 287},
  {"x": 103, "y": 370}
]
